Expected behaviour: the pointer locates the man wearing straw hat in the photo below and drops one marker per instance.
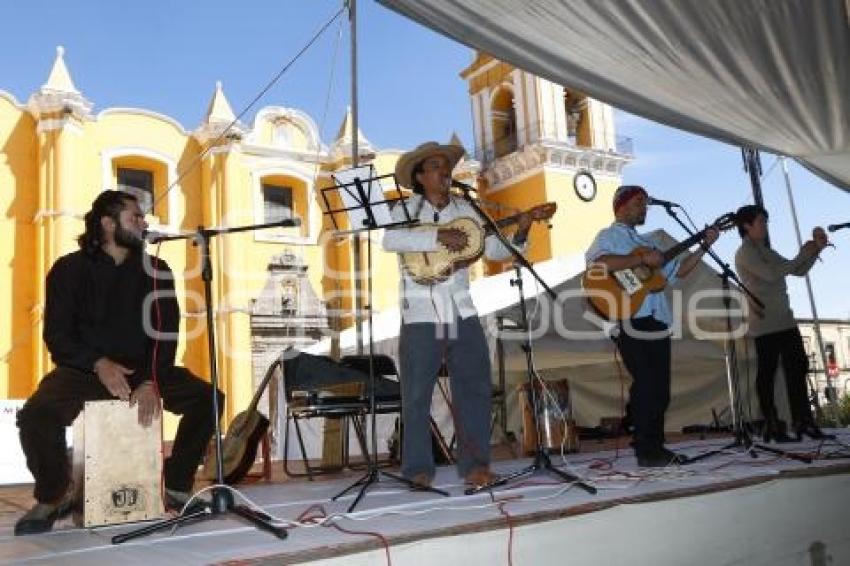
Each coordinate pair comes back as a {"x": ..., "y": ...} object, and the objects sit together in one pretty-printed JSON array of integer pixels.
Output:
[{"x": 439, "y": 321}]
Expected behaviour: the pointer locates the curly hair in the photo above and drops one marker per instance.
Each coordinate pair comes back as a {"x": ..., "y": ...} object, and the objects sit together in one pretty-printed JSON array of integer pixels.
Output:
[
  {"x": 108, "y": 203},
  {"x": 747, "y": 215}
]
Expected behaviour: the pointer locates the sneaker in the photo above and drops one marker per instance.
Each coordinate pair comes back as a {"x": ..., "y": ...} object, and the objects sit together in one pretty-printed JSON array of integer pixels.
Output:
[
  {"x": 175, "y": 501},
  {"x": 41, "y": 517}
]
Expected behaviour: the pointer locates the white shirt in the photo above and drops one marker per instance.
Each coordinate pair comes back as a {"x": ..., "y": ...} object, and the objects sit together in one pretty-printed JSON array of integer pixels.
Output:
[{"x": 440, "y": 302}]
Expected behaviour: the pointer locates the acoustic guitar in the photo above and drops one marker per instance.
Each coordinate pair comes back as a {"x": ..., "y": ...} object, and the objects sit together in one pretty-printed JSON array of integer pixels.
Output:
[
  {"x": 427, "y": 268},
  {"x": 618, "y": 295},
  {"x": 239, "y": 446}
]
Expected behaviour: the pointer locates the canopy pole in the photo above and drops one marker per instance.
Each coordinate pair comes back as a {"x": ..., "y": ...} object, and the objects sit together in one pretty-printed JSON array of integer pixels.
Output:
[
  {"x": 815, "y": 318},
  {"x": 355, "y": 162},
  {"x": 752, "y": 165}
]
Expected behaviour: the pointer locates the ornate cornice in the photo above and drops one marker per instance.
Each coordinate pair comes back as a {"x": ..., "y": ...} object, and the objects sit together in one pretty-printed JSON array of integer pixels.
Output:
[
  {"x": 552, "y": 156},
  {"x": 467, "y": 171},
  {"x": 52, "y": 103},
  {"x": 299, "y": 156},
  {"x": 211, "y": 131}
]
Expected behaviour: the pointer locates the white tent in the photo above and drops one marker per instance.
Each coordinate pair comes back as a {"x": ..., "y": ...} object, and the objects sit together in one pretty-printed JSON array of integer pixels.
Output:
[
  {"x": 587, "y": 360},
  {"x": 769, "y": 74}
]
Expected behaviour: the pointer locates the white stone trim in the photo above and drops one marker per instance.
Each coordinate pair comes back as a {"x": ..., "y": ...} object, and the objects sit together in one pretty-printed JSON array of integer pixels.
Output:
[
  {"x": 512, "y": 181},
  {"x": 477, "y": 132},
  {"x": 488, "y": 119},
  {"x": 46, "y": 101},
  {"x": 58, "y": 124},
  {"x": 512, "y": 168},
  {"x": 519, "y": 107},
  {"x": 112, "y": 153},
  {"x": 544, "y": 102},
  {"x": 533, "y": 112},
  {"x": 560, "y": 113},
  {"x": 313, "y": 221},
  {"x": 11, "y": 98},
  {"x": 271, "y": 113},
  {"x": 603, "y": 132},
  {"x": 258, "y": 150},
  {"x": 485, "y": 67},
  {"x": 552, "y": 114},
  {"x": 146, "y": 113}
]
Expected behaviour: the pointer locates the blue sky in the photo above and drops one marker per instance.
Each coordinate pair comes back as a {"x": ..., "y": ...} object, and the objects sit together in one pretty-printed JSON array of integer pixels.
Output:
[{"x": 166, "y": 56}]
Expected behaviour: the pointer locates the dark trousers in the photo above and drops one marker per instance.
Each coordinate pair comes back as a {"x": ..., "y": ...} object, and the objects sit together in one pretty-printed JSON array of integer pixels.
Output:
[
  {"x": 787, "y": 345},
  {"x": 648, "y": 361},
  {"x": 421, "y": 350},
  {"x": 59, "y": 399}
]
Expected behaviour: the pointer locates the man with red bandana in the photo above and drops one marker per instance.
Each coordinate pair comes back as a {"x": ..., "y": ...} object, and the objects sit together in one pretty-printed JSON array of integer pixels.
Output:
[{"x": 644, "y": 340}]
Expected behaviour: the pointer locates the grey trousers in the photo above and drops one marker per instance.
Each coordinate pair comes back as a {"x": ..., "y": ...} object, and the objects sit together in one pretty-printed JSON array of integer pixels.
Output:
[{"x": 422, "y": 347}]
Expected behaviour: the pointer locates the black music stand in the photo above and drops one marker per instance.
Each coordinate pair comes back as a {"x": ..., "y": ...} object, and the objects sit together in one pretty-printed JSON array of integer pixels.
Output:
[
  {"x": 542, "y": 461},
  {"x": 363, "y": 207},
  {"x": 222, "y": 499}
]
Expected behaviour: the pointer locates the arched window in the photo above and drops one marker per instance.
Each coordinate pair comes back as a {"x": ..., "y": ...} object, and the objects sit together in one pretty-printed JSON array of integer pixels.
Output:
[
  {"x": 282, "y": 197},
  {"x": 578, "y": 124},
  {"x": 147, "y": 179},
  {"x": 503, "y": 121}
]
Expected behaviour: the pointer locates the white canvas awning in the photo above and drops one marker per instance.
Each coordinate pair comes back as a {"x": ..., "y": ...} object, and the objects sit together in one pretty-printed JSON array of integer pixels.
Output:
[{"x": 769, "y": 74}]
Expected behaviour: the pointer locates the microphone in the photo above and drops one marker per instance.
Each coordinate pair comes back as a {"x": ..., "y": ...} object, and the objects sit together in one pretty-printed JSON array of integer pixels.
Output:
[
  {"x": 463, "y": 186},
  {"x": 154, "y": 237},
  {"x": 836, "y": 227},
  {"x": 658, "y": 202}
]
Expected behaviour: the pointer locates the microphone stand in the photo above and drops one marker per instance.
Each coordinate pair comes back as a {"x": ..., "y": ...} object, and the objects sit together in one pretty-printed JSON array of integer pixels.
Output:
[
  {"x": 743, "y": 438},
  {"x": 542, "y": 461},
  {"x": 222, "y": 498}
]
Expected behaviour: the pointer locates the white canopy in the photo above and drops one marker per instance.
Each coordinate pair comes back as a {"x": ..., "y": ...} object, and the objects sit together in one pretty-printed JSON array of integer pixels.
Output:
[{"x": 769, "y": 74}]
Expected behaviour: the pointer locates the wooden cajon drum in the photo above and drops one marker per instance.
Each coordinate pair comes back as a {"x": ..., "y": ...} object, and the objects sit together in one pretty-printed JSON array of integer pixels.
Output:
[{"x": 117, "y": 465}]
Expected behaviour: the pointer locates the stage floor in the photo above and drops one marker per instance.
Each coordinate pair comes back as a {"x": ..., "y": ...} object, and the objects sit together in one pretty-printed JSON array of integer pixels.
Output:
[{"x": 390, "y": 515}]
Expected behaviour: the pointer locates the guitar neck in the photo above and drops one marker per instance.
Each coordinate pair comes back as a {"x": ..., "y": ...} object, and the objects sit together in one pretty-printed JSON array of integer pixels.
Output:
[
  {"x": 508, "y": 220},
  {"x": 501, "y": 223},
  {"x": 259, "y": 393},
  {"x": 682, "y": 246}
]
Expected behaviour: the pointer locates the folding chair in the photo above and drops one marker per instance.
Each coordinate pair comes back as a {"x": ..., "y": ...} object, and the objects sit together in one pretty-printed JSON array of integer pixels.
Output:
[{"x": 303, "y": 403}]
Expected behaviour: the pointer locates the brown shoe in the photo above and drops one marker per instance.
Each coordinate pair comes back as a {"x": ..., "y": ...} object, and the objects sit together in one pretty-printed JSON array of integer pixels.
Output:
[
  {"x": 421, "y": 481},
  {"x": 479, "y": 477}
]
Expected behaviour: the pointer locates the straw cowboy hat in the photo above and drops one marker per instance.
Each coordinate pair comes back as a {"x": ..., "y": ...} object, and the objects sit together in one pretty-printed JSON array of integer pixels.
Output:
[{"x": 408, "y": 162}]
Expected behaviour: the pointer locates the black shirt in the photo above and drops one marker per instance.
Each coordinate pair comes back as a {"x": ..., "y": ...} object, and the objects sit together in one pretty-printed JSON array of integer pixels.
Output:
[{"x": 97, "y": 308}]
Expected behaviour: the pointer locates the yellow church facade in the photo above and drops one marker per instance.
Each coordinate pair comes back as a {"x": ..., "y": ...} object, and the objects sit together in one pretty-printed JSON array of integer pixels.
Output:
[{"x": 279, "y": 286}]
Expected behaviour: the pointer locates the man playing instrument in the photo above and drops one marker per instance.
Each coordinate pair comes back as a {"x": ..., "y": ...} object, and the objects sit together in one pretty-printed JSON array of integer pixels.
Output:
[
  {"x": 439, "y": 320},
  {"x": 644, "y": 339},
  {"x": 111, "y": 324}
]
